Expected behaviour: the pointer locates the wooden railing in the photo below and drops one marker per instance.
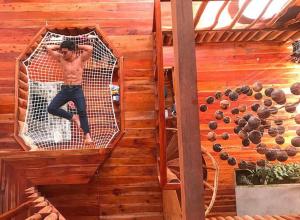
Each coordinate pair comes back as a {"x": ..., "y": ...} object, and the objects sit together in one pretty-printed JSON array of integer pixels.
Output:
[{"x": 160, "y": 106}]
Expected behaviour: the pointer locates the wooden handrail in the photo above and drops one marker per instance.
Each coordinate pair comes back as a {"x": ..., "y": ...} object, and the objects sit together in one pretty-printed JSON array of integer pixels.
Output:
[
  {"x": 14, "y": 212},
  {"x": 159, "y": 76}
]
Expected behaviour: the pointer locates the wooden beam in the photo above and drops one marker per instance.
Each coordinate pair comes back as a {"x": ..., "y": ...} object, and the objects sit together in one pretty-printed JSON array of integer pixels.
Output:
[
  {"x": 199, "y": 13},
  {"x": 161, "y": 98},
  {"x": 191, "y": 173}
]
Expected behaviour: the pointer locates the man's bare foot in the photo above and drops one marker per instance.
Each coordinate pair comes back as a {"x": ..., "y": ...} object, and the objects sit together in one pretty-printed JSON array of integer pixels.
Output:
[
  {"x": 88, "y": 140},
  {"x": 75, "y": 118}
]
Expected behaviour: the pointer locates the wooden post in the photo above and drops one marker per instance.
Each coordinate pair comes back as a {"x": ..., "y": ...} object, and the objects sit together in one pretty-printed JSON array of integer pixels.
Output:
[{"x": 187, "y": 111}]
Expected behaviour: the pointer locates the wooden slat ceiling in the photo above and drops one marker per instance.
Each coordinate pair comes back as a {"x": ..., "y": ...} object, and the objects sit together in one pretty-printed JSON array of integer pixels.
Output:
[{"x": 234, "y": 21}]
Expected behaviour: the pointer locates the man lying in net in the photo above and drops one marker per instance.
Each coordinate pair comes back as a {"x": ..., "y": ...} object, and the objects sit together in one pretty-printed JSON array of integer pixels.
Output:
[{"x": 72, "y": 68}]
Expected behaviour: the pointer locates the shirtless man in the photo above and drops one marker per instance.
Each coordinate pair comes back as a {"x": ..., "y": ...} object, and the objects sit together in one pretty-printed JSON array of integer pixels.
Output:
[{"x": 72, "y": 67}]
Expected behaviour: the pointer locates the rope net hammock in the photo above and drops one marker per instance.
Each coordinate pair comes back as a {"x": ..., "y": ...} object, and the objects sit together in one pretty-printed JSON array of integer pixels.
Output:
[{"x": 43, "y": 131}]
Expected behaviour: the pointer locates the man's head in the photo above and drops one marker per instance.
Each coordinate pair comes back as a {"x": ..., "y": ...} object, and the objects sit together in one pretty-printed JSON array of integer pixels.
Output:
[{"x": 67, "y": 48}]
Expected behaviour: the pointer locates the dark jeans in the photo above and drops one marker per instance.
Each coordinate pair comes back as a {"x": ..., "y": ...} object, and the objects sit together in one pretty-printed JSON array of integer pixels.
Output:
[{"x": 70, "y": 93}]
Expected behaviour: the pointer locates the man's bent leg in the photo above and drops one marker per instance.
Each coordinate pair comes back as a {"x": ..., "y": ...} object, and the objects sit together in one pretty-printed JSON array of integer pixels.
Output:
[
  {"x": 54, "y": 108},
  {"x": 79, "y": 101}
]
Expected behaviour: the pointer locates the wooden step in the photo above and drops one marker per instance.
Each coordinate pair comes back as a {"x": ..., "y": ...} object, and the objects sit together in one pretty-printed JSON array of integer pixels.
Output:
[{"x": 136, "y": 216}]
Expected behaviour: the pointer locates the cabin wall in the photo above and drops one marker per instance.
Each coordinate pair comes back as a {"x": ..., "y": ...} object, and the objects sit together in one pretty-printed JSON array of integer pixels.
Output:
[{"x": 229, "y": 65}]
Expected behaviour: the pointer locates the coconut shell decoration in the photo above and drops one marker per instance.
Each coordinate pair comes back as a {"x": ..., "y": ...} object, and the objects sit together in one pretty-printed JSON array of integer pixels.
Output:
[
  {"x": 291, "y": 108},
  {"x": 263, "y": 112},
  {"x": 278, "y": 96},
  {"x": 255, "y": 137},
  {"x": 218, "y": 95},
  {"x": 257, "y": 87},
  {"x": 295, "y": 88},
  {"x": 291, "y": 151},
  {"x": 269, "y": 91},
  {"x": 295, "y": 141},
  {"x": 233, "y": 96},
  {"x": 268, "y": 102},
  {"x": 219, "y": 115},
  {"x": 212, "y": 125},
  {"x": 279, "y": 140},
  {"x": 282, "y": 156},
  {"x": 211, "y": 136},
  {"x": 224, "y": 104},
  {"x": 253, "y": 121}
]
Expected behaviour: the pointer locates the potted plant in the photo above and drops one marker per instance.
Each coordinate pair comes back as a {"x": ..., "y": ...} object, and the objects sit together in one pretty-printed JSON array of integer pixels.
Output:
[{"x": 272, "y": 189}]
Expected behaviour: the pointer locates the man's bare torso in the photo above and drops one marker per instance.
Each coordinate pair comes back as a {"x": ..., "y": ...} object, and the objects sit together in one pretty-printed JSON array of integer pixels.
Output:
[{"x": 72, "y": 70}]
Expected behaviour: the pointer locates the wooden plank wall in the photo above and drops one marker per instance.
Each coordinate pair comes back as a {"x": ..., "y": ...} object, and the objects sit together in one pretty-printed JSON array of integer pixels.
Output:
[{"x": 229, "y": 65}]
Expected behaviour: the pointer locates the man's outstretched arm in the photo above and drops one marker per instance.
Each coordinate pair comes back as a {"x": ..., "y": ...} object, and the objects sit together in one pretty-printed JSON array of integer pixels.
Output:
[
  {"x": 52, "y": 50},
  {"x": 87, "y": 52}
]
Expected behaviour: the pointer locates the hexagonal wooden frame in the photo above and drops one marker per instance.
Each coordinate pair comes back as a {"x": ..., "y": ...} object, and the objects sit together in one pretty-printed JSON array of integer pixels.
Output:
[{"x": 21, "y": 80}]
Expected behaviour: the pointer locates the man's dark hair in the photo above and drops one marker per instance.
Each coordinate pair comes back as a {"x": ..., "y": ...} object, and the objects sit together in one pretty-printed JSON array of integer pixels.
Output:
[{"x": 68, "y": 44}]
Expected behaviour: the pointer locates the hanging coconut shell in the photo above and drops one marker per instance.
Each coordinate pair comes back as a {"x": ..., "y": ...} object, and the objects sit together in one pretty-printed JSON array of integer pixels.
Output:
[
  {"x": 245, "y": 142},
  {"x": 231, "y": 161},
  {"x": 295, "y": 141},
  {"x": 255, "y": 106},
  {"x": 224, "y": 156},
  {"x": 237, "y": 129},
  {"x": 298, "y": 131},
  {"x": 235, "y": 111},
  {"x": 257, "y": 87},
  {"x": 238, "y": 90},
  {"x": 297, "y": 119},
  {"x": 218, "y": 95},
  {"x": 290, "y": 108},
  {"x": 291, "y": 151},
  {"x": 203, "y": 108},
  {"x": 261, "y": 129},
  {"x": 272, "y": 131},
  {"x": 219, "y": 115},
  {"x": 211, "y": 136},
  {"x": 217, "y": 147},
  {"x": 225, "y": 136},
  {"x": 210, "y": 100},
  {"x": 250, "y": 92},
  {"x": 263, "y": 112},
  {"x": 261, "y": 148},
  {"x": 226, "y": 120},
  {"x": 243, "y": 135},
  {"x": 271, "y": 155},
  {"x": 233, "y": 96},
  {"x": 278, "y": 96},
  {"x": 224, "y": 104},
  {"x": 261, "y": 163},
  {"x": 273, "y": 110},
  {"x": 247, "y": 128},
  {"x": 242, "y": 122},
  {"x": 279, "y": 140},
  {"x": 255, "y": 137},
  {"x": 266, "y": 124},
  {"x": 227, "y": 91},
  {"x": 295, "y": 88},
  {"x": 247, "y": 116},
  {"x": 269, "y": 91},
  {"x": 268, "y": 102},
  {"x": 278, "y": 121},
  {"x": 236, "y": 120},
  {"x": 212, "y": 125},
  {"x": 242, "y": 108},
  {"x": 242, "y": 165},
  {"x": 254, "y": 122},
  {"x": 282, "y": 156},
  {"x": 280, "y": 129},
  {"x": 245, "y": 89},
  {"x": 258, "y": 96}
]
